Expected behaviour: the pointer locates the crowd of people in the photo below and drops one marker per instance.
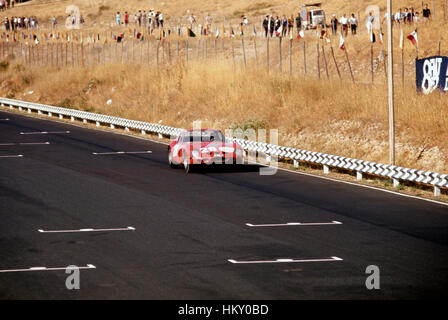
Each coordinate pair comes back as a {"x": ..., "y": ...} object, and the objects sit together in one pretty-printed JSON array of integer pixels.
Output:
[
  {"x": 152, "y": 19},
  {"x": 21, "y": 23},
  {"x": 6, "y": 4}
]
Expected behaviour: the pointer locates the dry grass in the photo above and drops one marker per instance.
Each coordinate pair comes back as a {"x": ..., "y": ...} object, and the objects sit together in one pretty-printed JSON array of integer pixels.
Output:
[
  {"x": 348, "y": 120},
  {"x": 327, "y": 116}
]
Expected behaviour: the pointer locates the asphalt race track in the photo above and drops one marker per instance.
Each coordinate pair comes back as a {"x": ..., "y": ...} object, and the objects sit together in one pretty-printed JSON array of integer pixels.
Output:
[{"x": 188, "y": 227}]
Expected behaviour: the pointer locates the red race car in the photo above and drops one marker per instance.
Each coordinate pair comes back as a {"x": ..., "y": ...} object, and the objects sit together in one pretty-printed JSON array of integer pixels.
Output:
[{"x": 204, "y": 146}]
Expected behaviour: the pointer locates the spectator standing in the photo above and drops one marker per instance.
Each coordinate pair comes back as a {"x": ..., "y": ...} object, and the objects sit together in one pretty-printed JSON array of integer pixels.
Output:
[
  {"x": 117, "y": 18},
  {"x": 266, "y": 26},
  {"x": 284, "y": 22},
  {"x": 161, "y": 19},
  {"x": 334, "y": 24},
  {"x": 353, "y": 24},
  {"x": 290, "y": 25},
  {"x": 427, "y": 14},
  {"x": 369, "y": 23},
  {"x": 298, "y": 23},
  {"x": 344, "y": 25},
  {"x": 126, "y": 18}
]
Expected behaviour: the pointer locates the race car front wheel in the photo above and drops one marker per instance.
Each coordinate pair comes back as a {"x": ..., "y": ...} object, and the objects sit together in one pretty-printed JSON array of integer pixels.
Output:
[
  {"x": 170, "y": 160},
  {"x": 187, "y": 165}
]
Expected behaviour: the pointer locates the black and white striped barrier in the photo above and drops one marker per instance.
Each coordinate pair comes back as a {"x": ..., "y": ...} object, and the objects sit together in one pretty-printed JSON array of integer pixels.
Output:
[{"x": 397, "y": 174}]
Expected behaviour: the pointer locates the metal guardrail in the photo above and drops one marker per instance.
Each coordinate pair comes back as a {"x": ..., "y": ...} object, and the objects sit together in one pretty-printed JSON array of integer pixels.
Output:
[{"x": 396, "y": 173}]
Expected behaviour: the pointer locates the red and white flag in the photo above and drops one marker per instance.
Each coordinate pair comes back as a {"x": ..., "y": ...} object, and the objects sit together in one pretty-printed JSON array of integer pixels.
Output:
[
  {"x": 300, "y": 35},
  {"x": 279, "y": 31},
  {"x": 413, "y": 37},
  {"x": 342, "y": 43}
]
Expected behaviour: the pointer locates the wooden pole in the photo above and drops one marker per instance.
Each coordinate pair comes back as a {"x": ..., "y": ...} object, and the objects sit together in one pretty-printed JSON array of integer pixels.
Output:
[
  {"x": 290, "y": 57},
  {"x": 233, "y": 52},
  {"x": 349, "y": 65},
  {"x": 267, "y": 53},
  {"x": 255, "y": 49},
  {"x": 186, "y": 50},
  {"x": 157, "y": 51},
  {"x": 335, "y": 63},
  {"x": 280, "y": 67},
  {"x": 390, "y": 85},
  {"x": 304, "y": 57},
  {"x": 402, "y": 66},
  {"x": 325, "y": 62},
  {"x": 244, "y": 51},
  {"x": 371, "y": 61},
  {"x": 318, "y": 60}
]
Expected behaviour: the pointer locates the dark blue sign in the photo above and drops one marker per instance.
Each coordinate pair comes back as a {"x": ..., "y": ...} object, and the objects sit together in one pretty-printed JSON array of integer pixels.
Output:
[{"x": 431, "y": 74}]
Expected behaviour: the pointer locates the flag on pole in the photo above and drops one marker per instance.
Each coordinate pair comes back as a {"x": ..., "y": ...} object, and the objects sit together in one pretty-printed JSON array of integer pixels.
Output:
[
  {"x": 401, "y": 39},
  {"x": 232, "y": 34},
  {"x": 255, "y": 32},
  {"x": 372, "y": 37},
  {"x": 300, "y": 35},
  {"x": 381, "y": 36},
  {"x": 279, "y": 31},
  {"x": 342, "y": 43},
  {"x": 217, "y": 33},
  {"x": 413, "y": 37},
  {"x": 190, "y": 33}
]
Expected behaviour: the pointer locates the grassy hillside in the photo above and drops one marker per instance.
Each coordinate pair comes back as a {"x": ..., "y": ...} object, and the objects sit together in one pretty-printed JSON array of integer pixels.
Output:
[{"x": 330, "y": 116}]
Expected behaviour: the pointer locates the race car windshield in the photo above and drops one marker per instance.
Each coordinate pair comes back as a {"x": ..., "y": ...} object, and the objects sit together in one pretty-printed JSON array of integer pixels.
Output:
[{"x": 203, "y": 136}]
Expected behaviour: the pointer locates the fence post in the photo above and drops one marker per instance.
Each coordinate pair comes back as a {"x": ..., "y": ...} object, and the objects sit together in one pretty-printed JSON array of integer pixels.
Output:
[
  {"x": 280, "y": 53},
  {"x": 290, "y": 57},
  {"x": 255, "y": 49},
  {"x": 349, "y": 65},
  {"x": 325, "y": 62},
  {"x": 304, "y": 57},
  {"x": 335, "y": 63},
  {"x": 157, "y": 51},
  {"x": 318, "y": 60},
  {"x": 244, "y": 51},
  {"x": 233, "y": 52},
  {"x": 267, "y": 53},
  {"x": 186, "y": 50},
  {"x": 371, "y": 62}
]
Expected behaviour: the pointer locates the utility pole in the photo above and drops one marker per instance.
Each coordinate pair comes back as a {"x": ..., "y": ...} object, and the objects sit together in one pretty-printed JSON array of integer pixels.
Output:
[{"x": 390, "y": 80}]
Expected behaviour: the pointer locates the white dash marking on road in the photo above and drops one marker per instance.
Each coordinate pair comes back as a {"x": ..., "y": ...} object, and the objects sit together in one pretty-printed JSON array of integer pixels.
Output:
[
  {"x": 285, "y": 260},
  {"x": 7, "y": 119},
  {"x": 119, "y": 153},
  {"x": 86, "y": 230},
  {"x": 89, "y": 266},
  {"x": 24, "y": 143},
  {"x": 288, "y": 224},
  {"x": 45, "y": 132},
  {"x": 13, "y": 156}
]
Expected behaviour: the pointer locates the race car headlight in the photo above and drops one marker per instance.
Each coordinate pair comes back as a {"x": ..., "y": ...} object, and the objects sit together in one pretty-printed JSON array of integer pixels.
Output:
[
  {"x": 227, "y": 149},
  {"x": 195, "y": 154}
]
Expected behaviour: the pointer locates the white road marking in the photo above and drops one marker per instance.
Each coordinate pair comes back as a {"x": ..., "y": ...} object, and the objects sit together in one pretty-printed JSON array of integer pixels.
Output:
[
  {"x": 24, "y": 143},
  {"x": 282, "y": 169},
  {"x": 44, "y": 132},
  {"x": 119, "y": 153},
  {"x": 87, "y": 230},
  {"x": 293, "y": 224},
  {"x": 286, "y": 260},
  {"x": 89, "y": 266},
  {"x": 13, "y": 156},
  {"x": 7, "y": 119}
]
